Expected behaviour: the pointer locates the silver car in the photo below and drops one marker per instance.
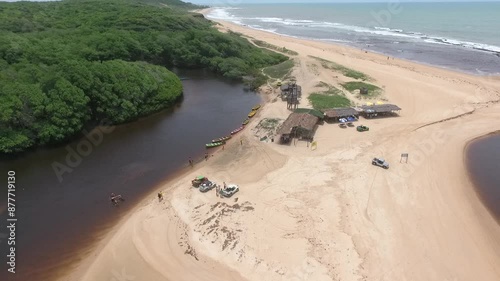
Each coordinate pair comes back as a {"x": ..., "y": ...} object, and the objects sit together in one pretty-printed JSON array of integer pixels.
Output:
[
  {"x": 380, "y": 162},
  {"x": 207, "y": 185}
]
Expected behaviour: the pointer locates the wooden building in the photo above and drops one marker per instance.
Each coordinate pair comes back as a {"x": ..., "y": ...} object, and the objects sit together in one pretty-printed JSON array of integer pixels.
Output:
[
  {"x": 334, "y": 114},
  {"x": 379, "y": 110},
  {"x": 298, "y": 125},
  {"x": 291, "y": 92}
]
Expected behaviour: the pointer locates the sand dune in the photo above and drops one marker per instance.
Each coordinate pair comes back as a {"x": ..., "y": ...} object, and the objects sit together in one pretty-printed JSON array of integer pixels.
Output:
[{"x": 328, "y": 214}]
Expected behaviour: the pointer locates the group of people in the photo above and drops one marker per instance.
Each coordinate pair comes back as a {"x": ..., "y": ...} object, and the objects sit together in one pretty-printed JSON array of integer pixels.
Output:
[{"x": 218, "y": 189}]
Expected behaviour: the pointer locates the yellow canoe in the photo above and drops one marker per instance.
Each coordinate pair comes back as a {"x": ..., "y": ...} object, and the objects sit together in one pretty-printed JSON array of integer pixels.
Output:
[
  {"x": 252, "y": 113},
  {"x": 256, "y": 107}
]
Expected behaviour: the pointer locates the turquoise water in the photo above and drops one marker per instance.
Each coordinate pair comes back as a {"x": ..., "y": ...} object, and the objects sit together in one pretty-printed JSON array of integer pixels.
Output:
[{"x": 464, "y": 36}]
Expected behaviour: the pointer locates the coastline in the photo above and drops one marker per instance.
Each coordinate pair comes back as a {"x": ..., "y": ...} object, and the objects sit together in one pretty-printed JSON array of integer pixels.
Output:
[
  {"x": 373, "y": 222},
  {"x": 470, "y": 174}
]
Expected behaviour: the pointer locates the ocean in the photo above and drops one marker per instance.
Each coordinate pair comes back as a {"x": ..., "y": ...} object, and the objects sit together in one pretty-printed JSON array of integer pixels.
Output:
[{"x": 459, "y": 36}]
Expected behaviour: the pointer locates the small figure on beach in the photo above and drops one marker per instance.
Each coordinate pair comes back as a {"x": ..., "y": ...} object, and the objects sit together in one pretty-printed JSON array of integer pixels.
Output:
[
  {"x": 241, "y": 142},
  {"x": 160, "y": 196},
  {"x": 217, "y": 189},
  {"x": 206, "y": 156},
  {"x": 224, "y": 184},
  {"x": 191, "y": 162}
]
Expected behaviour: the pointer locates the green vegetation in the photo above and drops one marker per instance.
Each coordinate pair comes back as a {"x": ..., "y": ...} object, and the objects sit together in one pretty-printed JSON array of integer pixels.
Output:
[
  {"x": 321, "y": 101},
  {"x": 279, "y": 71},
  {"x": 348, "y": 72},
  {"x": 68, "y": 65},
  {"x": 373, "y": 90},
  {"x": 317, "y": 113},
  {"x": 264, "y": 44},
  {"x": 329, "y": 98}
]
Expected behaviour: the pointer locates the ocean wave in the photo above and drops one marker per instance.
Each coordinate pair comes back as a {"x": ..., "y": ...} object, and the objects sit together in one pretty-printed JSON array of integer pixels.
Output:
[{"x": 224, "y": 14}]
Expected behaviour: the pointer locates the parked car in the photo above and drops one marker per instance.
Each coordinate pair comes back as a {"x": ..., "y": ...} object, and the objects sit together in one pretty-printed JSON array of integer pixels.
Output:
[
  {"x": 207, "y": 185},
  {"x": 380, "y": 162},
  {"x": 230, "y": 190},
  {"x": 362, "y": 128}
]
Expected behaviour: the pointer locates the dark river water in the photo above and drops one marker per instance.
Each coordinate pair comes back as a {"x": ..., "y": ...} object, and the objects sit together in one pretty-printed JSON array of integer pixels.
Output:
[
  {"x": 483, "y": 161},
  {"x": 61, "y": 217}
]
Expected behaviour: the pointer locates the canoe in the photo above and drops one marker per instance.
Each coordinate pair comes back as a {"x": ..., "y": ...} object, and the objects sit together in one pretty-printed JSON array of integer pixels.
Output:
[
  {"x": 256, "y": 107},
  {"x": 221, "y": 139},
  {"x": 237, "y": 130},
  {"x": 252, "y": 113},
  {"x": 214, "y": 144},
  {"x": 245, "y": 122}
]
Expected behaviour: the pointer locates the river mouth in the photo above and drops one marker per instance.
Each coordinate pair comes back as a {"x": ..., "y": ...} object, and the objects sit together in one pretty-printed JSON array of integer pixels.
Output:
[
  {"x": 483, "y": 162},
  {"x": 62, "y": 203}
]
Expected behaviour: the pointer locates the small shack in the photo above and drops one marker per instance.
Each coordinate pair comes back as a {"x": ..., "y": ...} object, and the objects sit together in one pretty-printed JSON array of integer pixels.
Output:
[
  {"x": 380, "y": 110},
  {"x": 290, "y": 88},
  {"x": 334, "y": 114},
  {"x": 298, "y": 125}
]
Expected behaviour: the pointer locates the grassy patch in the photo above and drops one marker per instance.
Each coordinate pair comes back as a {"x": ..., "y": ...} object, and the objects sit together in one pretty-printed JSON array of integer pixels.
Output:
[
  {"x": 331, "y": 90},
  {"x": 355, "y": 85},
  {"x": 273, "y": 47},
  {"x": 342, "y": 69},
  {"x": 279, "y": 71},
  {"x": 321, "y": 101}
]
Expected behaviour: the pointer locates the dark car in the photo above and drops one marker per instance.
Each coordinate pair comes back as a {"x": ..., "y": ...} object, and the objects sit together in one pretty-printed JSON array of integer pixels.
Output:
[
  {"x": 380, "y": 162},
  {"x": 362, "y": 128}
]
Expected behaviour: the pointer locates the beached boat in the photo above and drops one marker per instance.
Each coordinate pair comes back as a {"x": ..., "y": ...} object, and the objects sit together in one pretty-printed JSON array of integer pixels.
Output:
[
  {"x": 252, "y": 113},
  {"x": 256, "y": 107},
  {"x": 214, "y": 144},
  {"x": 221, "y": 139},
  {"x": 245, "y": 122},
  {"x": 237, "y": 130}
]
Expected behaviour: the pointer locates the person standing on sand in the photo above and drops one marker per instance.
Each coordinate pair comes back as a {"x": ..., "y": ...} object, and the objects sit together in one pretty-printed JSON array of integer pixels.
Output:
[
  {"x": 241, "y": 142},
  {"x": 206, "y": 156},
  {"x": 190, "y": 162},
  {"x": 160, "y": 196}
]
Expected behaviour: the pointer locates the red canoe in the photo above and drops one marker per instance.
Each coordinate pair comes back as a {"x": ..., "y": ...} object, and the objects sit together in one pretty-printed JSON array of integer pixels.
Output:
[{"x": 237, "y": 130}]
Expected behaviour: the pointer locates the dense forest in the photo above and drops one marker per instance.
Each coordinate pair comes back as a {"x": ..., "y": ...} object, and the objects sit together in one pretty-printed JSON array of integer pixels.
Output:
[{"x": 68, "y": 65}]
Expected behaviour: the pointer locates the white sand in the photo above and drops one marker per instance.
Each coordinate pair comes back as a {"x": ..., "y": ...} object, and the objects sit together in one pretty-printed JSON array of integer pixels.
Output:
[{"x": 328, "y": 214}]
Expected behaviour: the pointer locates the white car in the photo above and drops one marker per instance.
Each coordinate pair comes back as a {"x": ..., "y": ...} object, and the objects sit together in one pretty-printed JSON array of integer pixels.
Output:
[
  {"x": 229, "y": 191},
  {"x": 380, "y": 162}
]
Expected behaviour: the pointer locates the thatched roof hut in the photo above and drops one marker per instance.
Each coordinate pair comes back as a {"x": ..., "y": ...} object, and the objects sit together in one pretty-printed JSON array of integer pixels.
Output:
[
  {"x": 370, "y": 111},
  {"x": 340, "y": 112},
  {"x": 381, "y": 108},
  {"x": 300, "y": 125}
]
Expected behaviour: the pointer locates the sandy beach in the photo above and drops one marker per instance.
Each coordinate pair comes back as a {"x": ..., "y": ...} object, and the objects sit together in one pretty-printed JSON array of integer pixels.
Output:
[{"x": 327, "y": 214}]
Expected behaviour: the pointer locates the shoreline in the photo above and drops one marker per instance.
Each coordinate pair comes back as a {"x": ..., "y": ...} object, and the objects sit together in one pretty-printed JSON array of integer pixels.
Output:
[
  {"x": 355, "y": 233},
  {"x": 477, "y": 189},
  {"x": 206, "y": 11}
]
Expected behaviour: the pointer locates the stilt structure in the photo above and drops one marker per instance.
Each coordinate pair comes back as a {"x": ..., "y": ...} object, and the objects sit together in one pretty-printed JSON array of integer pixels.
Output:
[{"x": 293, "y": 93}]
